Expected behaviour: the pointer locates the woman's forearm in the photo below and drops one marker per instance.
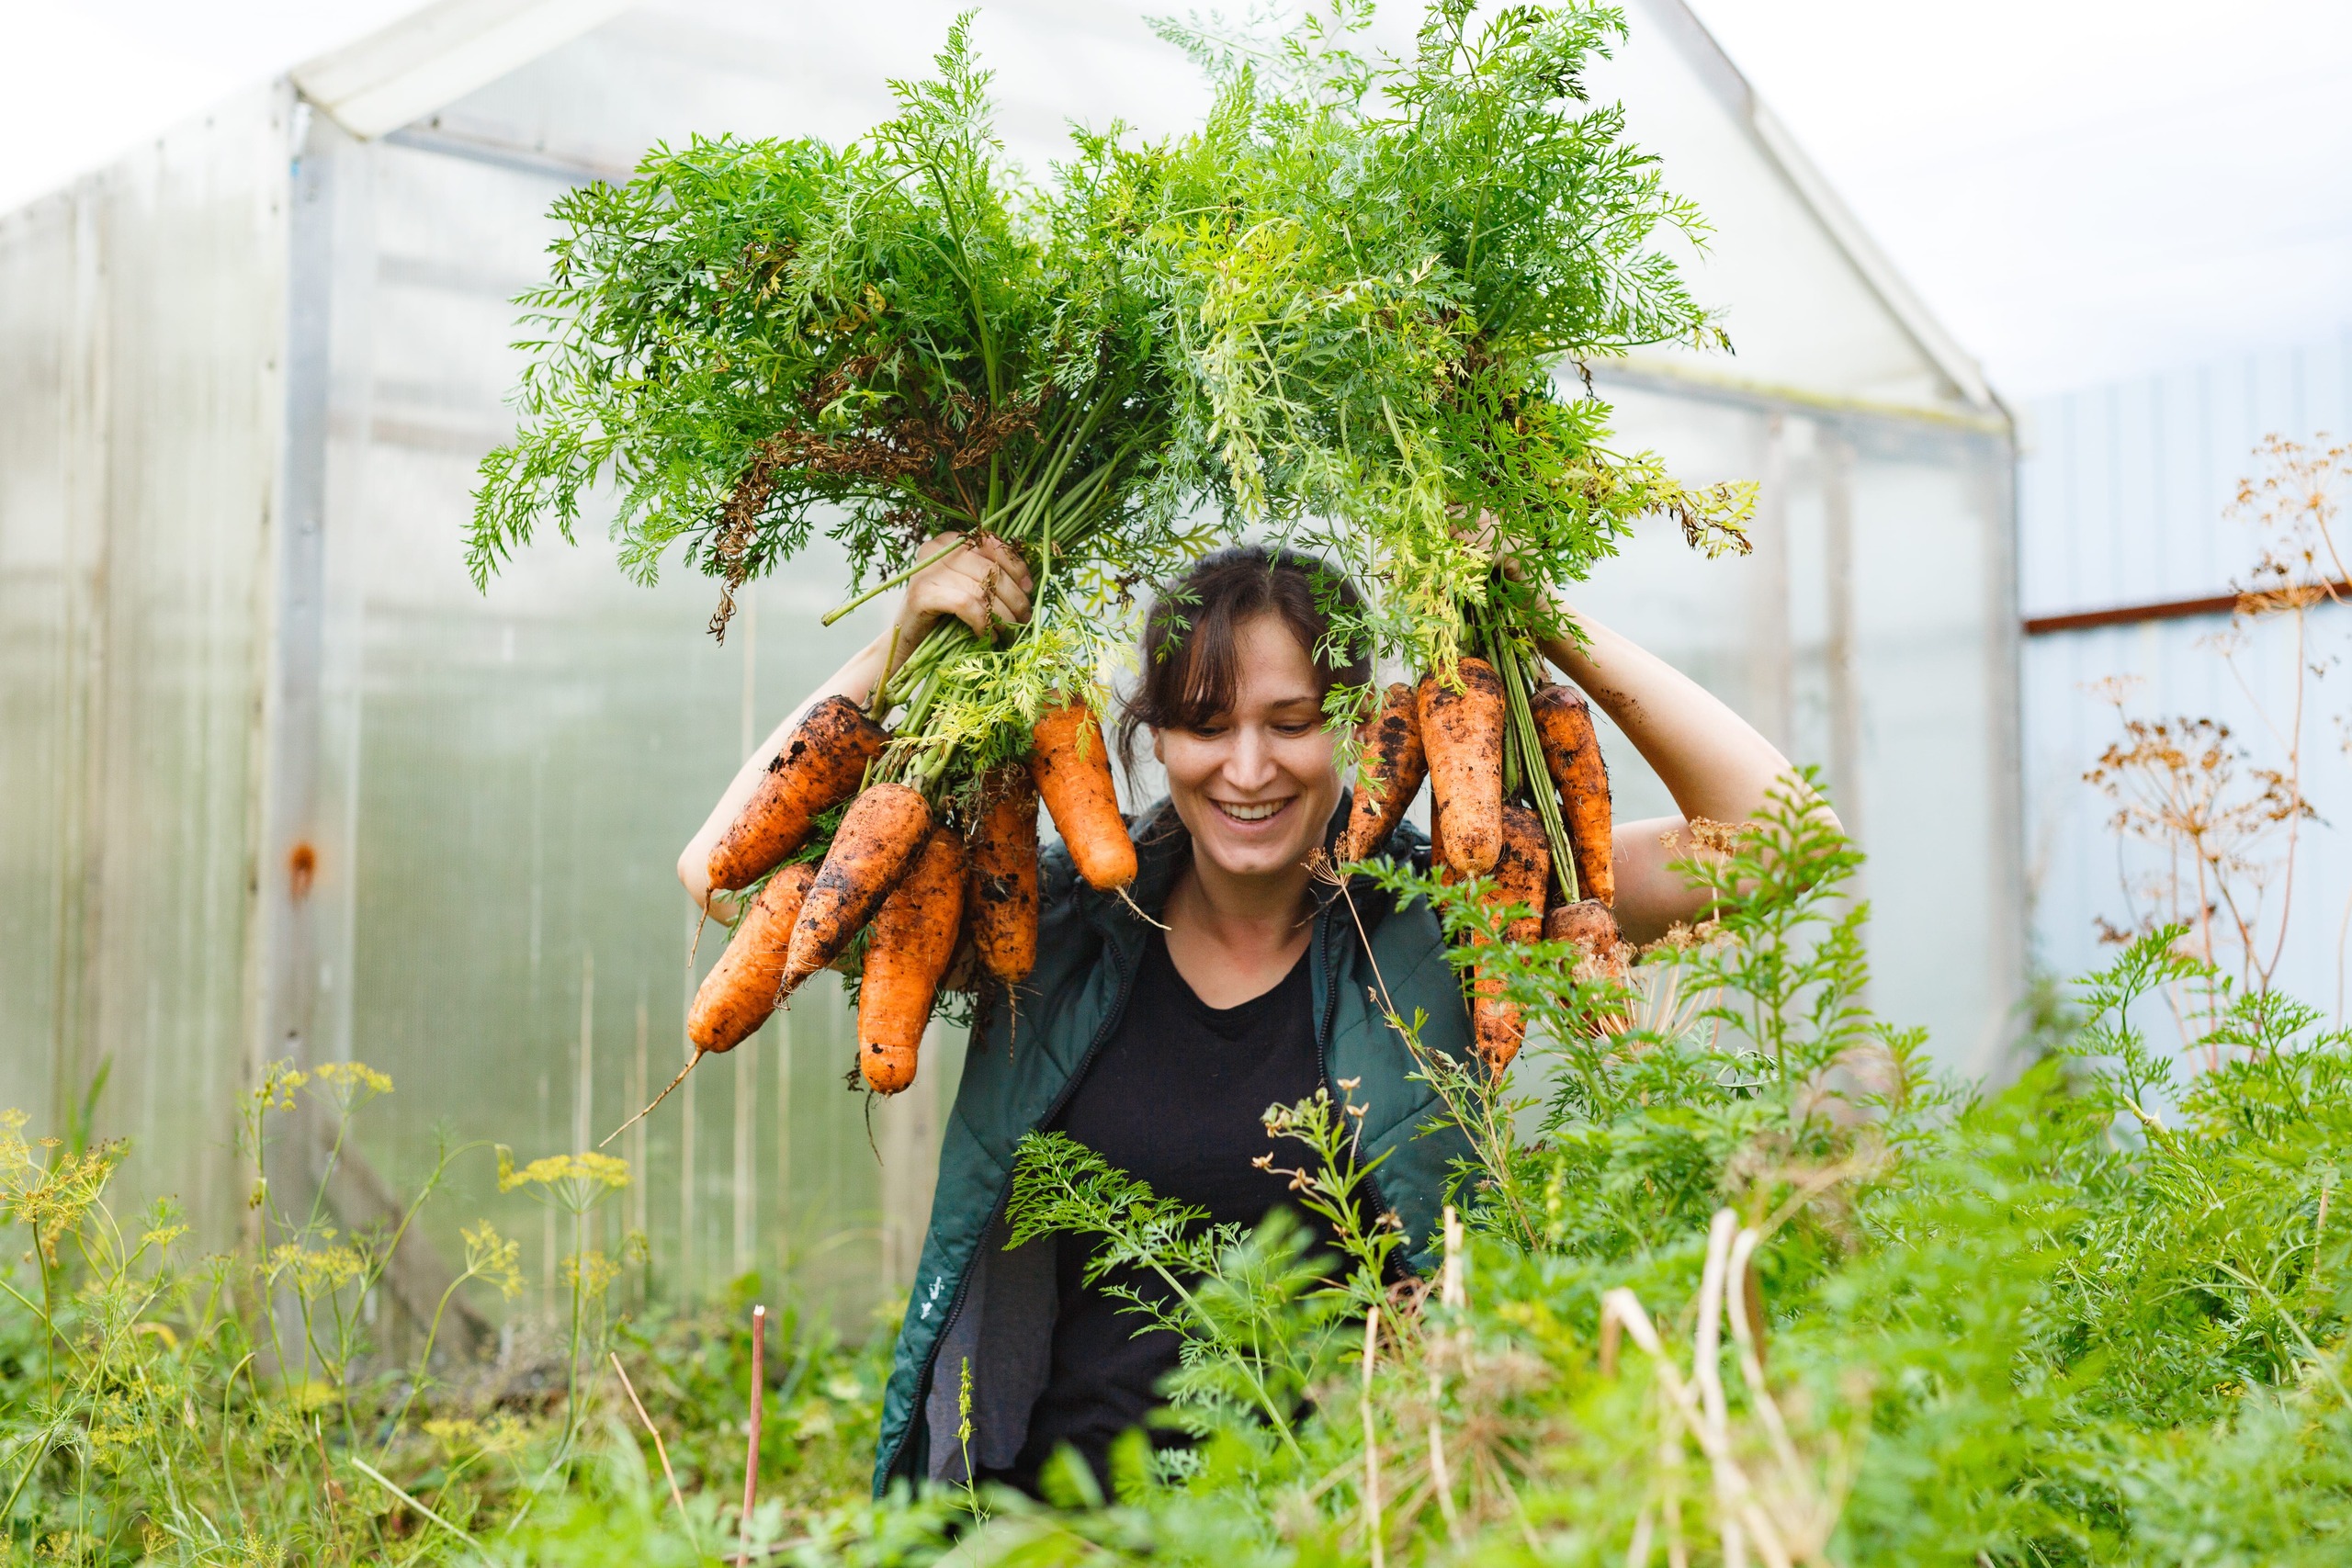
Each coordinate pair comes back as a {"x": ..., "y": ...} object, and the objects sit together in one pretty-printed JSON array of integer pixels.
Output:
[
  {"x": 1712, "y": 761},
  {"x": 854, "y": 679},
  {"x": 985, "y": 585}
]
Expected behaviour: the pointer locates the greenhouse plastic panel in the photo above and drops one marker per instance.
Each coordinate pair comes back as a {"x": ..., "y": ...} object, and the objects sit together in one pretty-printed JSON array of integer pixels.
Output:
[{"x": 139, "y": 321}]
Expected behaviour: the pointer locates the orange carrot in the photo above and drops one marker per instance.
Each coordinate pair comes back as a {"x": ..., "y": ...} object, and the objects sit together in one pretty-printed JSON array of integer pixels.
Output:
[
  {"x": 740, "y": 992},
  {"x": 1588, "y": 923},
  {"x": 914, "y": 936},
  {"x": 1572, "y": 756},
  {"x": 876, "y": 840},
  {"x": 1393, "y": 766},
  {"x": 1072, "y": 767},
  {"x": 1462, "y": 731},
  {"x": 1592, "y": 927},
  {"x": 1522, "y": 866},
  {"x": 819, "y": 768},
  {"x": 1003, "y": 894}
]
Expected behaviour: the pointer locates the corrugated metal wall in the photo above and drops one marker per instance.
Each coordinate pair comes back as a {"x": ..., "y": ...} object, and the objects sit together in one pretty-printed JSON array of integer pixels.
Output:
[{"x": 2123, "y": 491}]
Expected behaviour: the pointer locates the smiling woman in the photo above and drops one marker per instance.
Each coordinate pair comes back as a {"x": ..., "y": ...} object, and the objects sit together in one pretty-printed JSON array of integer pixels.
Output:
[
  {"x": 1160, "y": 1018},
  {"x": 1236, "y": 662}
]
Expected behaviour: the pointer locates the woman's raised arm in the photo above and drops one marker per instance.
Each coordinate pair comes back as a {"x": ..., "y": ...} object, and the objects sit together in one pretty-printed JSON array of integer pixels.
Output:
[
  {"x": 1711, "y": 761},
  {"x": 983, "y": 585}
]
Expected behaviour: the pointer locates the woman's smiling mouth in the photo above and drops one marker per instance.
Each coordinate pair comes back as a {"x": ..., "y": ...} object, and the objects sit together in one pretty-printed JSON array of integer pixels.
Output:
[{"x": 1253, "y": 811}]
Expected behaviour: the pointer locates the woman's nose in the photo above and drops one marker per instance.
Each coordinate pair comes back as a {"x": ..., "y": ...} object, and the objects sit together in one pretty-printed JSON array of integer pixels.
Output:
[{"x": 1250, "y": 765}]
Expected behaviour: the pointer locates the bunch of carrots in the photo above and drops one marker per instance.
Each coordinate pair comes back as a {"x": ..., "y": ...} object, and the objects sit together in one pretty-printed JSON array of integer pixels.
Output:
[
  {"x": 926, "y": 886},
  {"x": 1335, "y": 309},
  {"x": 1489, "y": 819}
]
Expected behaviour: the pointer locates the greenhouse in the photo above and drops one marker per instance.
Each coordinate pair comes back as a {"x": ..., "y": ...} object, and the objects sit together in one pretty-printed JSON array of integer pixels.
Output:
[
  {"x": 702, "y": 865},
  {"x": 289, "y": 787}
]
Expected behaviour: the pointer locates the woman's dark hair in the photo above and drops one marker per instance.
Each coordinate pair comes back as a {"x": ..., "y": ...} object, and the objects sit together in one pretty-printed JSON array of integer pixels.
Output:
[{"x": 1192, "y": 664}]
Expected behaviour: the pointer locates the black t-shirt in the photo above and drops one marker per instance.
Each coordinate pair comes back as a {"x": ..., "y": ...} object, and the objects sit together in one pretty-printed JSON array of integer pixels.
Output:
[{"x": 1175, "y": 1097}]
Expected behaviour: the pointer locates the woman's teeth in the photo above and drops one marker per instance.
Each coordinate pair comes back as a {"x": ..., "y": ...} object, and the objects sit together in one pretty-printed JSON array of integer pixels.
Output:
[{"x": 1258, "y": 813}]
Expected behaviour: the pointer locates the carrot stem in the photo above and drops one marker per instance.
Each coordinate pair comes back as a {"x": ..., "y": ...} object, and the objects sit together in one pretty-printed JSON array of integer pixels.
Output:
[
  {"x": 884, "y": 587},
  {"x": 1524, "y": 747}
]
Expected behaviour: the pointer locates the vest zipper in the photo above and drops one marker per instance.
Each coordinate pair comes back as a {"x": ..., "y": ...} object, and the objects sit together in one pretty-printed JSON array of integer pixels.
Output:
[
  {"x": 1397, "y": 1272},
  {"x": 1004, "y": 1194}
]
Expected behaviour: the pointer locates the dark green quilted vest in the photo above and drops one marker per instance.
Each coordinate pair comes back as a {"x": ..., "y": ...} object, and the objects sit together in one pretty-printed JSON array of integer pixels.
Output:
[{"x": 978, "y": 1303}]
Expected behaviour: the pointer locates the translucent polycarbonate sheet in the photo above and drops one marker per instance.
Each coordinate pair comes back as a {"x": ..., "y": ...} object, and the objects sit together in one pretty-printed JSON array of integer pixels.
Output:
[
  {"x": 2126, "y": 497},
  {"x": 1800, "y": 312},
  {"x": 141, "y": 316},
  {"x": 506, "y": 781},
  {"x": 1866, "y": 634},
  {"x": 47, "y": 585},
  {"x": 1784, "y": 281}
]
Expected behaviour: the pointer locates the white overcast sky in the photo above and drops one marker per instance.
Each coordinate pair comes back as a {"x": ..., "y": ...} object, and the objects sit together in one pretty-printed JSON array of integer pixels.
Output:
[{"x": 2079, "y": 189}]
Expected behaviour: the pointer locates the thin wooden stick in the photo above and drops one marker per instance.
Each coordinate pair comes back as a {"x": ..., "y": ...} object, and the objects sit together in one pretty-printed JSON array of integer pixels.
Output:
[
  {"x": 660, "y": 1450},
  {"x": 752, "y": 1445},
  {"x": 657, "y": 1099},
  {"x": 1372, "y": 1442}
]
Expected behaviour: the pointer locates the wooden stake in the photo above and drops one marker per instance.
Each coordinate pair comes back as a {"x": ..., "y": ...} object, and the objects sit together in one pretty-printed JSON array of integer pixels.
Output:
[{"x": 752, "y": 1448}]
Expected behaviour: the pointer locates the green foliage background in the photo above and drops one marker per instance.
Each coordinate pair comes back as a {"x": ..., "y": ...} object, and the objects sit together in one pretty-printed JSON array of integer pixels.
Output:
[{"x": 2096, "y": 1317}]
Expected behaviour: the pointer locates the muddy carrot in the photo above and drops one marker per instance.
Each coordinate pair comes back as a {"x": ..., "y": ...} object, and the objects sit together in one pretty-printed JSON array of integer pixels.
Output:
[
  {"x": 1072, "y": 769},
  {"x": 1393, "y": 766},
  {"x": 1462, "y": 732},
  {"x": 1572, "y": 755},
  {"x": 1438, "y": 868},
  {"x": 1522, "y": 866},
  {"x": 914, "y": 936},
  {"x": 1590, "y": 924},
  {"x": 877, "y": 839},
  {"x": 1584, "y": 922},
  {"x": 817, "y": 769},
  {"x": 1003, "y": 891},
  {"x": 740, "y": 992}
]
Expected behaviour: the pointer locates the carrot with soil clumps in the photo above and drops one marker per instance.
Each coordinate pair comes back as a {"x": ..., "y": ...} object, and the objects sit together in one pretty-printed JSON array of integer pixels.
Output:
[
  {"x": 1072, "y": 769},
  {"x": 1003, "y": 893},
  {"x": 820, "y": 767},
  {"x": 1522, "y": 866},
  {"x": 740, "y": 992},
  {"x": 1462, "y": 734},
  {"x": 1592, "y": 927},
  {"x": 1572, "y": 756},
  {"x": 914, "y": 936},
  {"x": 1393, "y": 766},
  {"x": 872, "y": 849}
]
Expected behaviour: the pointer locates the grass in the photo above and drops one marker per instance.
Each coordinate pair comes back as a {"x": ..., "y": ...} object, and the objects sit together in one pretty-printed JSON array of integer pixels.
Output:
[{"x": 239, "y": 1408}]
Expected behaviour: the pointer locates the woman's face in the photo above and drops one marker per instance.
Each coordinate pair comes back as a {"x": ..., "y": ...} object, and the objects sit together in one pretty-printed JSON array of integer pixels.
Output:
[{"x": 1256, "y": 784}]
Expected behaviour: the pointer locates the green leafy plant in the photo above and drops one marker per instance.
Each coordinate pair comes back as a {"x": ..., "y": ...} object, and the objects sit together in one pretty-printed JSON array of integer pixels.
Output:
[
  {"x": 1751, "y": 1284},
  {"x": 245, "y": 1407},
  {"x": 901, "y": 337},
  {"x": 1382, "y": 265}
]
